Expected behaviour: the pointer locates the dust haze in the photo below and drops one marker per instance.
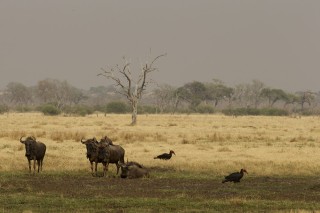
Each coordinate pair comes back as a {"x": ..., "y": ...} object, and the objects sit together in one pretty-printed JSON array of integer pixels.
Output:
[{"x": 276, "y": 42}]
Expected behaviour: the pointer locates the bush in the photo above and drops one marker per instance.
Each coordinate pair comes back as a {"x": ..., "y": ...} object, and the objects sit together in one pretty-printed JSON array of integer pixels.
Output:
[
  {"x": 274, "y": 112},
  {"x": 147, "y": 109},
  {"x": 23, "y": 109},
  {"x": 116, "y": 107},
  {"x": 252, "y": 111},
  {"x": 241, "y": 111},
  {"x": 3, "y": 109},
  {"x": 49, "y": 109},
  {"x": 204, "y": 109},
  {"x": 81, "y": 110}
]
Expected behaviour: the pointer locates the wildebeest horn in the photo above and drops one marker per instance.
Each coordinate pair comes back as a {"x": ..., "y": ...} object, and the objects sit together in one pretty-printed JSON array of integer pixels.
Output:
[
  {"x": 82, "y": 140},
  {"x": 33, "y": 138},
  {"x": 22, "y": 140}
]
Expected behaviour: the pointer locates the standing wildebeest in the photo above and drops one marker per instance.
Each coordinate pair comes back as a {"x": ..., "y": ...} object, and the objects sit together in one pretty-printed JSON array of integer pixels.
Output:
[
  {"x": 103, "y": 152},
  {"x": 133, "y": 170},
  {"x": 113, "y": 153},
  {"x": 92, "y": 152},
  {"x": 34, "y": 151}
]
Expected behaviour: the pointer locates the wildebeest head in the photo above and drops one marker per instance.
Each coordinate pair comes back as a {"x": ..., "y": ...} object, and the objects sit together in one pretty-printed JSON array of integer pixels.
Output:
[
  {"x": 103, "y": 152},
  {"x": 91, "y": 145},
  {"x": 29, "y": 144},
  {"x": 124, "y": 170}
]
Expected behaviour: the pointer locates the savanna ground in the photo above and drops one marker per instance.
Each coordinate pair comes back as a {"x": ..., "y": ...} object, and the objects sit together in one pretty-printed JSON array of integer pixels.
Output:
[{"x": 281, "y": 154}]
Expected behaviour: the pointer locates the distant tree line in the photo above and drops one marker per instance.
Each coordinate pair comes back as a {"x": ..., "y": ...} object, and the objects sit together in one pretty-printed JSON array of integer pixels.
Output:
[{"x": 255, "y": 98}]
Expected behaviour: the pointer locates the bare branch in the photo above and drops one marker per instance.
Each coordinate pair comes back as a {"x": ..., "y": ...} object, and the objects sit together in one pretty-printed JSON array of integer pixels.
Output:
[
  {"x": 126, "y": 88},
  {"x": 156, "y": 58},
  {"x": 143, "y": 76},
  {"x": 110, "y": 75}
]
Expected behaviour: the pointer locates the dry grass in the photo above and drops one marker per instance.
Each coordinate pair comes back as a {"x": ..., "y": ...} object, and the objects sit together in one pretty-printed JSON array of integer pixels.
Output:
[{"x": 205, "y": 143}]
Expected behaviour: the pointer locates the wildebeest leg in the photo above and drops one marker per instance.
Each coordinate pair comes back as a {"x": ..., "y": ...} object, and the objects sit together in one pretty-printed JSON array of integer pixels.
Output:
[
  {"x": 38, "y": 161},
  {"x": 91, "y": 163},
  {"x": 34, "y": 166},
  {"x": 118, "y": 166},
  {"x": 107, "y": 165},
  {"x": 95, "y": 168},
  {"x": 29, "y": 166},
  {"x": 41, "y": 164},
  {"x": 104, "y": 169}
]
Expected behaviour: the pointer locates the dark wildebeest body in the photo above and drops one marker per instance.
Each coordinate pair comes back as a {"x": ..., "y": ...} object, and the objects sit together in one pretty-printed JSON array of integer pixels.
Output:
[
  {"x": 102, "y": 152},
  {"x": 133, "y": 170},
  {"x": 112, "y": 154},
  {"x": 235, "y": 177},
  {"x": 165, "y": 156},
  {"x": 92, "y": 152},
  {"x": 34, "y": 151},
  {"x": 103, "y": 157}
]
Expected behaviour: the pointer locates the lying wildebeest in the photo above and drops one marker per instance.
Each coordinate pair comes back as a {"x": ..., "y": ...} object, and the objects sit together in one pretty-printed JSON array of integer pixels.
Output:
[
  {"x": 103, "y": 152},
  {"x": 133, "y": 170},
  {"x": 35, "y": 150}
]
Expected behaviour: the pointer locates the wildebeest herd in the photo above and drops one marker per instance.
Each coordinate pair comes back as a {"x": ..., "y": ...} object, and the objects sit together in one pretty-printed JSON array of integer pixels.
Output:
[{"x": 105, "y": 152}]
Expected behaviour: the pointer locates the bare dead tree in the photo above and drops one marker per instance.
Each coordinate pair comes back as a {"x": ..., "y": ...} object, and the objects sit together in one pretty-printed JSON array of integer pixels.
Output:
[{"x": 129, "y": 87}]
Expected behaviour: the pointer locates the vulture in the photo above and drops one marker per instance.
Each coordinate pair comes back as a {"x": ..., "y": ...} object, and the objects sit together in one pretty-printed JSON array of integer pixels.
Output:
[
  {"x": 234, "y": 177},
  {"x": 165, "y": 156}
]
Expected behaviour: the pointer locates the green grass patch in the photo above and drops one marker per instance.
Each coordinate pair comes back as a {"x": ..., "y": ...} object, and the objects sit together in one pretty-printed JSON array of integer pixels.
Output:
[{"x": 78, "y": 191}]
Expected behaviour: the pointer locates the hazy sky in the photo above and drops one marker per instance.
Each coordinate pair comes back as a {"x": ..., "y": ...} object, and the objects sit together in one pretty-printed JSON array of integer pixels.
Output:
[{"x": 274, "y": 41}]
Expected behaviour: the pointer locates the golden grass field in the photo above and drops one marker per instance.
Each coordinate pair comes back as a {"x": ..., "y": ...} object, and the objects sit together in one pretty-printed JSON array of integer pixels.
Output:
[{"x": 214, "y": 144}]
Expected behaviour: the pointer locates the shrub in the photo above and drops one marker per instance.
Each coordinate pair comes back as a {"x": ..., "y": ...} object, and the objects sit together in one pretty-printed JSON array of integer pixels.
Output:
[
  {"x": 116, "y": 107},
  {"x": 3, "y": 109},
  {"x": 205, "y": 109},
  {"x": 252, "y": 111},
  {"x": 145, "y": 109},
  {"x": 23, "y": 109},
  {"x": 274, "y": 112},
  {"x": 49, "y": 109},
  {"x": 81, "y": 110}
]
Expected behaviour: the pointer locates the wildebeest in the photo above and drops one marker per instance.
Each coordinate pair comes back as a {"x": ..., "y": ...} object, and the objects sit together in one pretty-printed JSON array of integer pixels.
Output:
[
  {"x": 133, "y": 170},
  {"x": 113, "y": 153},
  {"x": 103, "y": 152},
  {"x": 103, "y": 156},
  {"x": 35, "y": 150},
  {"x": 92, "y": 152}
]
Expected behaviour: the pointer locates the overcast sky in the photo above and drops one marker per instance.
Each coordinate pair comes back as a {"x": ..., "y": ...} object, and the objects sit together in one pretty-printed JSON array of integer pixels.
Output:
[{"x": 274, "y": 41}]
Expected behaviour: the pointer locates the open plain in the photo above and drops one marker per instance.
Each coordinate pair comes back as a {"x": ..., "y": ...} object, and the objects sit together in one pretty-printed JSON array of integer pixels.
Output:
[{"x": 281, "y": 155}]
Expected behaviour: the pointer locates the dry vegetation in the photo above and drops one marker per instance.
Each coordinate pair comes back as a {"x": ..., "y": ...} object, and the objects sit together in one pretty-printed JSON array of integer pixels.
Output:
[{"x": 214, "y": 144}]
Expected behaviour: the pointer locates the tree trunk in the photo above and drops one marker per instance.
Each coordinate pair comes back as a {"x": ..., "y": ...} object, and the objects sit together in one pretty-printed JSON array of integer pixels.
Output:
[{"x": 134, "y": 105}]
